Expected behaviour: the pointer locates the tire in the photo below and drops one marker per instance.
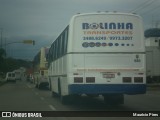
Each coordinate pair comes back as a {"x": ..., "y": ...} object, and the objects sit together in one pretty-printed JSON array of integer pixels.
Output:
[
  {"x": 39, "y": 86},
  {"x": 66, "y": 100},
  {"x": 36, "y": 86},
  {"x": 54, "y": 94},
  {"x": 114, "y": 99},
  {"x": 59, "y": 87}
]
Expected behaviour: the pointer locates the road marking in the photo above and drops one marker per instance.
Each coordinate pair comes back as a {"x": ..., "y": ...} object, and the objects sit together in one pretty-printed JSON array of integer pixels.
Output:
[
  {"x": 42, "y": 98},
  {"x": 52, "y": 108},
  {"x": 36, "y": 93},
  {"x": 28, "y": 86}
]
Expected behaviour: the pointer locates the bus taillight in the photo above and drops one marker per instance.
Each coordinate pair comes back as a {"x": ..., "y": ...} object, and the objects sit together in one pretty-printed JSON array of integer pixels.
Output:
[
  {"x": 90, "y": 79},
  {"x": 138, "y": 79},
  {"x": 78, "y": 79},
  {"x": 127, "y": 79}
]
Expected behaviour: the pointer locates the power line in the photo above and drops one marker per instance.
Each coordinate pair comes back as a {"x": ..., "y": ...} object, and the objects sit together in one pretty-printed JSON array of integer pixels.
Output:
[
  {"x": 143, "y": 5},
  {"x": 151, "y": 10}
]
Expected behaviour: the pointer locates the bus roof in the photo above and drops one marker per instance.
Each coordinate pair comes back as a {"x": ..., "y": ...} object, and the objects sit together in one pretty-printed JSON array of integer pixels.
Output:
[{"x": 105, "y": 13}]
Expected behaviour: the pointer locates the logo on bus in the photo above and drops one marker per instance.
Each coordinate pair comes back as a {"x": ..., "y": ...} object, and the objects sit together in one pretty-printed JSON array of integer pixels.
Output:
[
  {"x": 112, "y": 25},
  {"x": 98, "y": 44}
]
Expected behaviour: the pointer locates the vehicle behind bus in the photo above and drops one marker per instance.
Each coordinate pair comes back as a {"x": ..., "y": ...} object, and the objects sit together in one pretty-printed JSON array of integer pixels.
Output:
[
  {"x": 11, "y": 77},
  {"x": 41, "y": 69}
]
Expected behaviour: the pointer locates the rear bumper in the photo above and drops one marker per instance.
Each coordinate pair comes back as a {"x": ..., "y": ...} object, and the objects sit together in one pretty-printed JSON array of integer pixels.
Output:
[{"x": 107, "y": 88}]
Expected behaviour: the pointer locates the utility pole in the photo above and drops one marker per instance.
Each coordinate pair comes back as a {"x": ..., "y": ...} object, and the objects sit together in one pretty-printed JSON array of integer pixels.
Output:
[
  {"x": 1, "y": 37},
  {"x": 157, "y": 24}
]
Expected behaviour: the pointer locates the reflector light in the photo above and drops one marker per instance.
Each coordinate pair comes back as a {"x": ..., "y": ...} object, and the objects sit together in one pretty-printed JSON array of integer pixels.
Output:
[
  {"x": 78, "y": 79},
  {"x": 90, "y": 79},
  {"x": 138, "y": 79},
  {"x": 127, "y": 79}
]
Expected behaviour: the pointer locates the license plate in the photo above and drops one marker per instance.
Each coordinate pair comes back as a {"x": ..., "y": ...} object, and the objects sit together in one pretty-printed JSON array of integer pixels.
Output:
[{"x": 108, "y": 76}]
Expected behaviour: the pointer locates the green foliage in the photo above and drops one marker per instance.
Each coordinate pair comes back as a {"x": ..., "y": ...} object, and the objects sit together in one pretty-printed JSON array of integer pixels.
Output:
[
  {"x": 10, "y": 64},
  {"x": 2, "y": 59},
  {"x": 2, "y": 54},
  {"x": 153, "y": 32}
]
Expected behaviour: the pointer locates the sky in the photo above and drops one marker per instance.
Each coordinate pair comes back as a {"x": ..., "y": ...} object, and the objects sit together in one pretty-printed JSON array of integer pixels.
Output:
[{"x": 44, "y": 20}]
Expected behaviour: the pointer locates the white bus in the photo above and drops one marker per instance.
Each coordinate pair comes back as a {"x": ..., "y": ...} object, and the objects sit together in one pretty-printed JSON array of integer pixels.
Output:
[
  {"x": 99, "y": 54},
  {"x": 152, "y": 59}
]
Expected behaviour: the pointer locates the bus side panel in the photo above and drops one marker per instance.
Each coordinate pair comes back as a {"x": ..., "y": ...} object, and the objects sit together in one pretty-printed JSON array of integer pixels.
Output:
[
  {"x": 58, "y": 76},
  {"x": 54, "y": 84}
]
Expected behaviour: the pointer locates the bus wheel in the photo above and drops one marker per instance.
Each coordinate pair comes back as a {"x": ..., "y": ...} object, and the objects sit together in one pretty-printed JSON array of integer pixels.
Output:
[
  {"x": 65, "y": 99},
  {"x": 114, "y": 99},
  {"x": 40, "y": 86},
  {"x": 54, "y": 94},
  {"x": 36, "y": 86}
]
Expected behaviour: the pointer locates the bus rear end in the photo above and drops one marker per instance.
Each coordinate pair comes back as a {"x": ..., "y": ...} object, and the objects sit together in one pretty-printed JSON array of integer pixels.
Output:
[{"x": 107, "y": 56}]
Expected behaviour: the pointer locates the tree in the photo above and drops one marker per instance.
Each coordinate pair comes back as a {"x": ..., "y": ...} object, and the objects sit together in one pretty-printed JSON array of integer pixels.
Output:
[
  {"x": 2, "y": 54},
  {"x": 10, "y": 64},
  {"x": 153, "y": 32},
  {"x": 2, "y": 61}
]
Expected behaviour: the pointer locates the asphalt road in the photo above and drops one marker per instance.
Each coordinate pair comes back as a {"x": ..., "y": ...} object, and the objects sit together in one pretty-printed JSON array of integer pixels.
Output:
[{"x": 23, "y": 96}]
